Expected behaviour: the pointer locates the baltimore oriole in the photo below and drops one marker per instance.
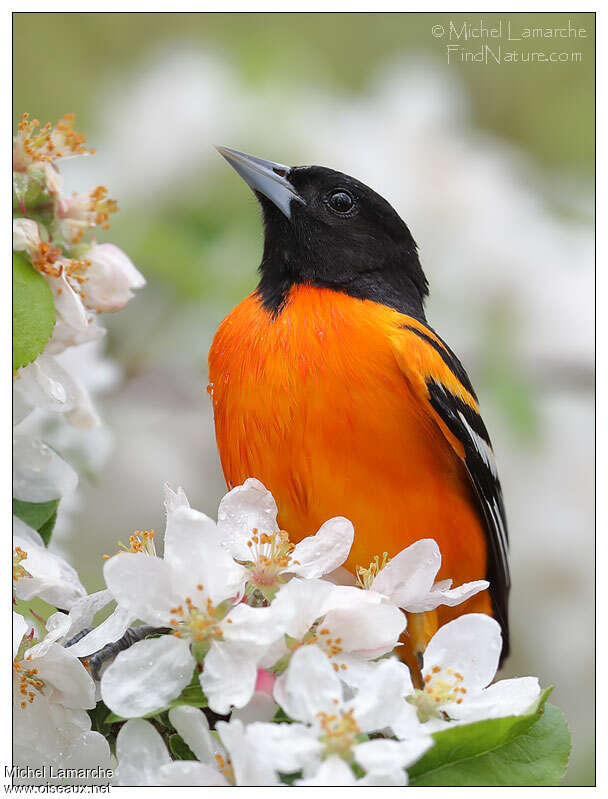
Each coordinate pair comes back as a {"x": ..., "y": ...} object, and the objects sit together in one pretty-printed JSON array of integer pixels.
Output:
[{"x": 330, "y": 387}]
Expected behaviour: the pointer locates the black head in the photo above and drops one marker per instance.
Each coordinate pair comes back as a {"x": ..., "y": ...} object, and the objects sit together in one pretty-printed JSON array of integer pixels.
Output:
[{"x": 324, "y": 228}]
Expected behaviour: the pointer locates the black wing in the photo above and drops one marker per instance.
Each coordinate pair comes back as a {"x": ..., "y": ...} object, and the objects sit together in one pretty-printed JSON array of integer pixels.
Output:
[{"x": 466, "y": 425}]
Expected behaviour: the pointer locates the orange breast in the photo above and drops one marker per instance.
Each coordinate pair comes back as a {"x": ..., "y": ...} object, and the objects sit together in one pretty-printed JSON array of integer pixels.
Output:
[{"x": 314, "y": 405}]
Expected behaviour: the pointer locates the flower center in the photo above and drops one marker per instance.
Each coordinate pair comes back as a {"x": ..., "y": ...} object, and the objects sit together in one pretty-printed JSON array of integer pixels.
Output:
[
  {"x": 30, "y": 685},
  {"x": 365, "y": 577},
  {"x": 141, "y": 541},
  {"x": 441, "y": 687},
  {"x": 198, "y": 622},
  {"x": 270, "y": 555},
  {"x": 225, "y": 766},
  {"x": 19, "y": 571},
  {"x": 35, "y": 143},
  {"x": 339, "y": 733}
]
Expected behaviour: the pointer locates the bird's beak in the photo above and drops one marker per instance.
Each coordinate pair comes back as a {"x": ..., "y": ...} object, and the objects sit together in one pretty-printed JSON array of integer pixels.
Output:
[{"x": 265, "y": 177}]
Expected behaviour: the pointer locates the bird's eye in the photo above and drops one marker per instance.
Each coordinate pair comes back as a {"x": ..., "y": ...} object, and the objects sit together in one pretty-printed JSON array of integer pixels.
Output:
[{"x": 341, "y": 201}]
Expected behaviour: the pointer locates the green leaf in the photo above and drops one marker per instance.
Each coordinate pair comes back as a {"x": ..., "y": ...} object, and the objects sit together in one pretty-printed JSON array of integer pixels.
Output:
[
  {"x": 191, "y": 695},
  {"x": 180, "y": 748},
  {"x": 33, "y": 312},
  {"x": 528, "y": 750},
  {"x": 41, "y": 516},
  {"x": 46, "y": 531}
]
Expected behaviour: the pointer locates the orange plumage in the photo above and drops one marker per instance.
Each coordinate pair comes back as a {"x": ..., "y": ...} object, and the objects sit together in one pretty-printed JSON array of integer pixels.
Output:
[{"x": 314, "y": 403}]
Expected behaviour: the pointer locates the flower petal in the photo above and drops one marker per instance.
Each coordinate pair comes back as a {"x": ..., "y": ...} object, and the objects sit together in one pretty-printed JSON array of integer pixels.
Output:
[
  {"x": 409, "y": 576},
  {"x": 66, "y": 681},
  {"x": 39, "y": 474},
  {"x": 299, "y": 603},
  {"x": 379, "y": 702},
  {"x": 52, "y": 578},
  {"x": 143, "y": 584},
  {"x": 191, "y": 723},
  {"x": 229, "y": 676},
  {"x": 322, "y": 553},
  {"x": 261, "y": 707},
  {"x": 188, "y": 773},
  {"x": 88, "y": 752},
  {"x": 247, "y": 507},
  {"x": 504, "y": 698},
  {"x": 110, "y": 630},
  {"x": 140, "y": 752},
  {"x": 147, "y": 676},
  {"x": 470, "y": 645},
  {"x": 192, "y": 548},
  {"x": 382, "y": 756},
  {"x": 370, "y": 630},
  {"x": 110, "y": 278},
  {"x": 310, "y": 685},
  {"x": 440, "y": 595},
  {"x": 333, "y": 771}
]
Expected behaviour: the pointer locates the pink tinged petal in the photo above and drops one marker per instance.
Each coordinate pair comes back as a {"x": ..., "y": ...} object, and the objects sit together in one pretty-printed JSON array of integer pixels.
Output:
[
  {"x": 504, "y": 698},
  {"x": 39, "y": 474},
  {"x": 409, "y": 576},
  {"x": 143, "y": 584},
  {"x": 322, "y": 553},
  {"x": 265, "y": 682},
  {"x": 247, "y": 507},
  {"x": 110, "y": 630},
  {"x": 469, "y": 645},
  {"x": 228, "y": 677},
  {"x": 147, "y": 676},
  {"x": 140, "y": 751},
  {"x": 191, "y": 723},
  {"x": 442, "y": 596},
  {"x": 333, "y": 771},
  {"x": 20, "y": 628},
  {"x": 110, "y": 278},
  {"x": 261, "y": 707},
  {"x": 369, "y": 630},
  {"x": 188, "y": 773},
  {"x": 309, "y": 685},
  {"x": 66, "y": 680}
]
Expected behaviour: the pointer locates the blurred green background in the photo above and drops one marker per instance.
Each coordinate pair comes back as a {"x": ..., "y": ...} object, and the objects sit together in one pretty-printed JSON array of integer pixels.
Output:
[{"x": 491, "y": 165}]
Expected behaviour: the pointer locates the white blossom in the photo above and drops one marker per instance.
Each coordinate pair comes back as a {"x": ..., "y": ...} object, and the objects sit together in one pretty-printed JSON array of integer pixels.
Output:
[
  {"x": 47, "y": 575},
  {"x": 51, "y": 692},
  {"x": 109, "y": 278},
  {"x": 408, "y": 579},
  {"x": 247, "y": 524},
  {"x": 460, "y": 662},
  {"x": 311, "y": 693}
]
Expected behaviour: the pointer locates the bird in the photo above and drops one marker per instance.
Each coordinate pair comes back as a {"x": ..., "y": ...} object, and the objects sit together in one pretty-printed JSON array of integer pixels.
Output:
[{"x": 329, "y": 385}]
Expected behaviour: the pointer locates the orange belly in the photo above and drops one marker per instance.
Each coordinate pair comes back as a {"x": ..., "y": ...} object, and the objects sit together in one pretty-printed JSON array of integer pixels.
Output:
[{"x": 314, "y": 405}]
